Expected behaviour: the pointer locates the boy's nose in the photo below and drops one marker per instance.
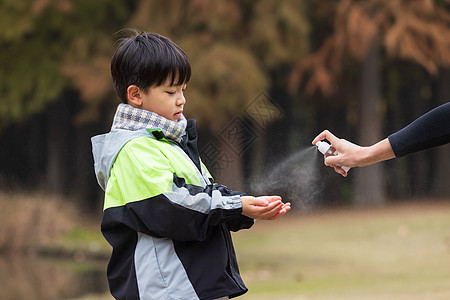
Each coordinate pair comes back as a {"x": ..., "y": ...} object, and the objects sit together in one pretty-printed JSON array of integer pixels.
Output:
[{"x": 181, "y": 100}]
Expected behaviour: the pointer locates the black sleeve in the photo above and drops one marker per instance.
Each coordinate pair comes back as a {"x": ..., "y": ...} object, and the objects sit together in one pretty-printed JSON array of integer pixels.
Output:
[
  {"x": 430, "y": 130},
  {"x": 238, "y": 222}
]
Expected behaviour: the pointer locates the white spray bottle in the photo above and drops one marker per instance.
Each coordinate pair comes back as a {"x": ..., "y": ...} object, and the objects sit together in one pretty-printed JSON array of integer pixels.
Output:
[{"x": 327, "y": 150}]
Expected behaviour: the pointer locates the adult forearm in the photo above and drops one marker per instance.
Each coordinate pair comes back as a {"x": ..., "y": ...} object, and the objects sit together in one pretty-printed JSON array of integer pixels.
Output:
[
  {"x": 378, "y": 152},
  {"x": 430, "y": 130}
]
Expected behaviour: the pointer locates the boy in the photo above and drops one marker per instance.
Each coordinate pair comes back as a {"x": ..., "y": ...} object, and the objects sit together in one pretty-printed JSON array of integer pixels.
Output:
[{"x": 168, "y": 224}]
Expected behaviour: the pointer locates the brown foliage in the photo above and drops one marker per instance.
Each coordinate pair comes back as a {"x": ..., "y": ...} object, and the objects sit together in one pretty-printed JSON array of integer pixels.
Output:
[
  {"x": 231, "y": 44},
  {"x": 414, "y": 30}
]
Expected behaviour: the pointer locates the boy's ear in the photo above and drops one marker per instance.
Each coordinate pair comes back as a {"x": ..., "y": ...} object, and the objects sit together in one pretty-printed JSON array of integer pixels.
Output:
[{"x": 134, "y": 95}]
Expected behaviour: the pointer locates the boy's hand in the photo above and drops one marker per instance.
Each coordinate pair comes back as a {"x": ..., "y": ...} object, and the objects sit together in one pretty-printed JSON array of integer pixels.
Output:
[
  {"x": 264, "y": 207},
  {"x": 284, "y": 208}
]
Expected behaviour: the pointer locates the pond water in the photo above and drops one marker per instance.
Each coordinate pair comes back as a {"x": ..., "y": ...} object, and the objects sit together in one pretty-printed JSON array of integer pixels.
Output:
[{"x": 34, "y": 278}]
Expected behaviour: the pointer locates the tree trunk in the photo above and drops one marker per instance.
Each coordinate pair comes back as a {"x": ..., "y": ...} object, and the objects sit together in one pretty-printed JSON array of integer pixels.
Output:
[
  {"x": 419, "y": 168},
  {"x": 369, "y": 184},
  {"x": 440, "y": 186},
  {"x": 223, "y": 155},
  {"x": 60, "y": 158},
  {"x": 231, "y": 173},
  {"x": 56, "y": 146},
  {"x": 84, "y": 185},
  {"x": 257, "y": 157}
]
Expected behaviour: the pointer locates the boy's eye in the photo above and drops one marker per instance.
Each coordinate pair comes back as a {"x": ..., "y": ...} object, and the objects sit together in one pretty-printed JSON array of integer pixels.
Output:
[{"x": 170, "y": 93}]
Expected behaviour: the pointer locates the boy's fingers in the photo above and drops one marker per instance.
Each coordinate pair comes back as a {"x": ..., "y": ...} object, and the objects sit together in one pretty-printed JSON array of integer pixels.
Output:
[
  {"x": 269, "y": 210},
  {"x": 269, "y": 207},
  {"x": 260, "y": 201},
  {"x": 273, "y": 208},
  {"x": 275, "y": 203},
  {"x": 278, "y": 214},
  {"x": 267, "y": 200},
  {"x": 273, "y": 198},
  {"x": 283, "y": 210}
]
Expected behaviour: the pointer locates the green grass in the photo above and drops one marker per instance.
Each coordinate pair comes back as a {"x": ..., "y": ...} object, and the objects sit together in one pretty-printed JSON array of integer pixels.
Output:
[
  {"x": 85, "y": 239},
  {"x": 398, "y": 252}
]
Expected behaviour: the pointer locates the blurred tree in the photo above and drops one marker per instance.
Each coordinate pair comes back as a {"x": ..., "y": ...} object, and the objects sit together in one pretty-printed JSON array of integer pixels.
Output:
[
  {"x": 440, "y": 186},
  {"x": 57, "y": 52},
  {"x": 44, "y": 43},
  {"x": 233, "y": 46},
  {"x": 413, "y": 30},
  {"x": 279, "y": 35},
  {"x": 27, "y": 53},
  {"x": 56, "y": 89}
]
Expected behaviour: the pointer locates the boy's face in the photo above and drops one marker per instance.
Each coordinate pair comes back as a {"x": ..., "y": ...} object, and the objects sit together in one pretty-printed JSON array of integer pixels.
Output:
[{"x": 165, "y": 100}]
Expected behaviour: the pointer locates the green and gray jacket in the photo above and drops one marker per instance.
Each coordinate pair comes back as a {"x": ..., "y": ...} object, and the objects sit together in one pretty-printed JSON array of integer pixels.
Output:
[{"x": 168, "y": 224}]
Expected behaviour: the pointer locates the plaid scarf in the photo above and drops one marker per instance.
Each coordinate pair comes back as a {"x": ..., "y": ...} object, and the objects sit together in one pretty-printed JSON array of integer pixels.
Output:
[{"x": 130, "y": 118}]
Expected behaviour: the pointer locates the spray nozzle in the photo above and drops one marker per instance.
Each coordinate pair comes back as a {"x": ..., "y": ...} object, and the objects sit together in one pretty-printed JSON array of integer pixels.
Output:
[{"x": 323, "y": 147}]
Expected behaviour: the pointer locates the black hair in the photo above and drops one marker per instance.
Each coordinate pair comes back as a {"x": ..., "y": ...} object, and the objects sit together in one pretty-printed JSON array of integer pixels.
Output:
[{"x": 147, "y": 60}]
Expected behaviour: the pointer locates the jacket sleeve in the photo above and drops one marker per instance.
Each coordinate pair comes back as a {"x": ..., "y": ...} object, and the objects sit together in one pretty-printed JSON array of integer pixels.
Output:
[
  {"x": 163, "y": 203},
  {"x": 238, "y": 222}
]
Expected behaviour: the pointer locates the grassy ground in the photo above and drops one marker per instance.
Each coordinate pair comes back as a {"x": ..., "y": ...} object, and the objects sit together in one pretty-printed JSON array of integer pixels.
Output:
[{"x": 399, "y": 252}]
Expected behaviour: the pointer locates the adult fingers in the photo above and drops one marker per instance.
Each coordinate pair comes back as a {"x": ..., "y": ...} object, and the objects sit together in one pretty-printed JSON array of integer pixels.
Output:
[{"x": 323, "y": 135}]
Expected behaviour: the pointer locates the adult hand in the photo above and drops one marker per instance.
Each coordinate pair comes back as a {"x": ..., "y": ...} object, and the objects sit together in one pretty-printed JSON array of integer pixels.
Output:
[
  {"x": 352, "y": 155},
  {"x": 348, "y": 154}
]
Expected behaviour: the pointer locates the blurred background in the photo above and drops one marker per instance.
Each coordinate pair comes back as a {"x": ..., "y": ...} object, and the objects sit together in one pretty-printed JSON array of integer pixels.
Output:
[{"x": 268, "y": 76}]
